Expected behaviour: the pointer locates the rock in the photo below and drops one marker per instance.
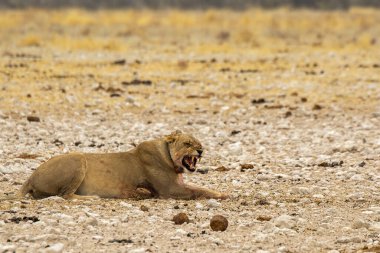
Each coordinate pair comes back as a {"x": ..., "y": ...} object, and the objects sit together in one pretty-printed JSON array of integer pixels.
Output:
[
  {"x": 138, "y": 250},
  {"x": 92, "y": 221},
  {"x": 33, "y": 119},
  {"x": 144, "y": 208},
  {"x": 263, "y": 177},
  {"x": 235, "y": 148},
  {"x": 375, "y": 227},
  {"x": 263, "y": 218},
  {"x": 360, "y": 224},
  {"x": 198, "y": 205},
  {"x": 120, "y": 241},
  {"x": 125, "y": 204},
  {"x": 55, "y": 248},
  {"x": 53, "y": 198},
  {"x": 213, "y": 203},
  {"x": 285, "y": 221},
  {"x": 181, "y": 232},
  {"x": 180, "y": 219},
  {"x": 222, "y": 169},
  {"x": 218, "y": 223},
  {"x": 7, "y": 248},
  {"x": 261, "y": 202},
  {"x": 246, "y": 166},
  {"x": 202, "y": 171},
  {"x": 331, "y": 164},
  {"x": 357, "y": 177},
  {"x": 217, "y": 241},
  {"x": 343, "y": 239}
]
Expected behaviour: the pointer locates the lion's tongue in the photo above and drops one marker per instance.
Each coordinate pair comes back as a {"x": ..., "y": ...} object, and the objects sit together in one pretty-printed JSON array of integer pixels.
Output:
[{"x": 190, "y": 162}]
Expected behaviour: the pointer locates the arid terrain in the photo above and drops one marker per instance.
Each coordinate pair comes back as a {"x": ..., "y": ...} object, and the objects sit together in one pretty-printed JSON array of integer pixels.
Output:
[{"x": 285, "y": 102}]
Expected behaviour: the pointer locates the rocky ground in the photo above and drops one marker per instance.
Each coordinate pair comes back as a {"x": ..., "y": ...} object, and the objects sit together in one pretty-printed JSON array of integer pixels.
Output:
[{"x": 286, "y": 104}]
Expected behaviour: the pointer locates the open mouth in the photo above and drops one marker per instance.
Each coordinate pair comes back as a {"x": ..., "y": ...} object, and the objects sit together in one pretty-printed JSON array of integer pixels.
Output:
[{"x": 189, "y": 162}]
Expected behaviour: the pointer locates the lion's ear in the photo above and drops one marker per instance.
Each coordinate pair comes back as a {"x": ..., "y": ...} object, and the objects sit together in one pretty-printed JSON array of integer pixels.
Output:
[
  {"x": 176, "y": 132},
  {"x": 173, "y": 136}
]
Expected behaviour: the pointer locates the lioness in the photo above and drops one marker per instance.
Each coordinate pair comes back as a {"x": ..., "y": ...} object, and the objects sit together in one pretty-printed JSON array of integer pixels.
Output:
[{"x": 155, "y": 165}]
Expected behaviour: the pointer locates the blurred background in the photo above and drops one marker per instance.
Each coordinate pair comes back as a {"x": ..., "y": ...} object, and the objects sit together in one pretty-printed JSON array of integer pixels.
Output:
[{"x": 190, "y": 4}]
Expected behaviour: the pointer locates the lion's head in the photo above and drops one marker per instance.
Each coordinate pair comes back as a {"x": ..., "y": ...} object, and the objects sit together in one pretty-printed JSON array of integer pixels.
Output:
[{"x": 185, "y": 151}]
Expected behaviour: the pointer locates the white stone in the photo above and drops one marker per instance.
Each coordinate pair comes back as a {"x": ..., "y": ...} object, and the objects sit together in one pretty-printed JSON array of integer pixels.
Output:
[
  {"x": 181, "y": 231},
  {"x": 344, "y": 239},
  {"x": 301, "y": 190},
  {"x": 213, "y": 203},
  {"x": 7, "y": 248},
  {"x": 282, "y": 249},
  {"x": 216, "y": 240},
  {"x": 235, "y": 148},
  {"x": 97, "y": 237},
  {"x": 357, "y": 177},
  {"x": 55, "y": 248},
  {"x": 375, "y": 227},
  {"x": 138, "y": 250},
  {"x": 53, "y": 198},
  {"x": 285, "y": 221},
  {"x": 125, "y": 204},
  {"x": 198, "y": 205}
]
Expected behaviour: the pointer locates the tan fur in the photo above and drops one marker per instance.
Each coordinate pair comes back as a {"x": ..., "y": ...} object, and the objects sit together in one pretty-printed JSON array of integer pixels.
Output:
[{"x": 153, "y": 165}]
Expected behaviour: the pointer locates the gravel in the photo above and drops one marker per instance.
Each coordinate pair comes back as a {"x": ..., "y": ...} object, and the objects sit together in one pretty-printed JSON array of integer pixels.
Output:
[{"x": 305, "y": 181}]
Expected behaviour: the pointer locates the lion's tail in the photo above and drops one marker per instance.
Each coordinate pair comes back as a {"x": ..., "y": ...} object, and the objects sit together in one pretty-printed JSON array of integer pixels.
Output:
[{"x": 25, "y": 189}]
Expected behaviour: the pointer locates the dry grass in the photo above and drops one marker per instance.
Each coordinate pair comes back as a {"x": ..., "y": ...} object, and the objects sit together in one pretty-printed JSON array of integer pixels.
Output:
[{"x": 331, "y": 56}]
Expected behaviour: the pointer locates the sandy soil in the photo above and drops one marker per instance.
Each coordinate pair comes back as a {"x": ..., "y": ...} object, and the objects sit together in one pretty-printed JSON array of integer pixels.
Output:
[{"x": 293, "y": 94}]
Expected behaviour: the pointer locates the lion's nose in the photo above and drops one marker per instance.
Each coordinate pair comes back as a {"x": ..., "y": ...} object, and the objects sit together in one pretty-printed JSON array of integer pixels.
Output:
[{"x": 200, "y": 151}]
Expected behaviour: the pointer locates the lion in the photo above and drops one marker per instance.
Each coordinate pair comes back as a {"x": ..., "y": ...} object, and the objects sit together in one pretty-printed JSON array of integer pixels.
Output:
[{"x": 152, "y": 169}]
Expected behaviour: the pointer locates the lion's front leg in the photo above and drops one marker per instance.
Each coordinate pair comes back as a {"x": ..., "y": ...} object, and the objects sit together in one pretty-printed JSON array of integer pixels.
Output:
[{"x": 184, "y": 191}]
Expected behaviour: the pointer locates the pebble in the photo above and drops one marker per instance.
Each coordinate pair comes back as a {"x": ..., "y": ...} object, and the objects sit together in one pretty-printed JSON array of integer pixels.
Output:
[
  {"x": 235, "y": 148},
  {"x": 301, "y": 190},
  {"x": 55, "y": 248},
  {"x": 217, "y": 241},
  {"x": 263, "y": 218},
  {"x": 53, "y": 198},
  {"x": 198, "y": 205},
  {"x": 7, "y": 248},
  {"x": 375, "y": 227},
  {"x": 33, "y": 119},
  {"x": 138, "y": 250},
  {"x": 285, "y": 221},
  {"x": 92, "y": 221},
  {"x": 360, "y": 224},
  {"x": 218, "y": 223},
  {"x": 180, "y": 219},
  {"x": 213, "y": 203},
  {"x": 125, "y": 204},
  {"x": 344, "y": 239},
  {"x": 144, "y": 208}
]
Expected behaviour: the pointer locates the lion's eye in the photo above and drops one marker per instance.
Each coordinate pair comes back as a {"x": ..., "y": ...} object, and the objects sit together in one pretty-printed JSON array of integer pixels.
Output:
[{"x": 187, "y": 144}]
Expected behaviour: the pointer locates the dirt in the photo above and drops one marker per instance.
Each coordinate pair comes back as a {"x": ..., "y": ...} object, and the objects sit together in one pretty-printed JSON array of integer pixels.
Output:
[{"x": 286, "y": 104}]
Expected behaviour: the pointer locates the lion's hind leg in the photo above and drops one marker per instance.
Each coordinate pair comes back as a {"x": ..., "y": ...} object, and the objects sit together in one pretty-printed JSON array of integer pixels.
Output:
[{"x": 61, "y": 175}]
